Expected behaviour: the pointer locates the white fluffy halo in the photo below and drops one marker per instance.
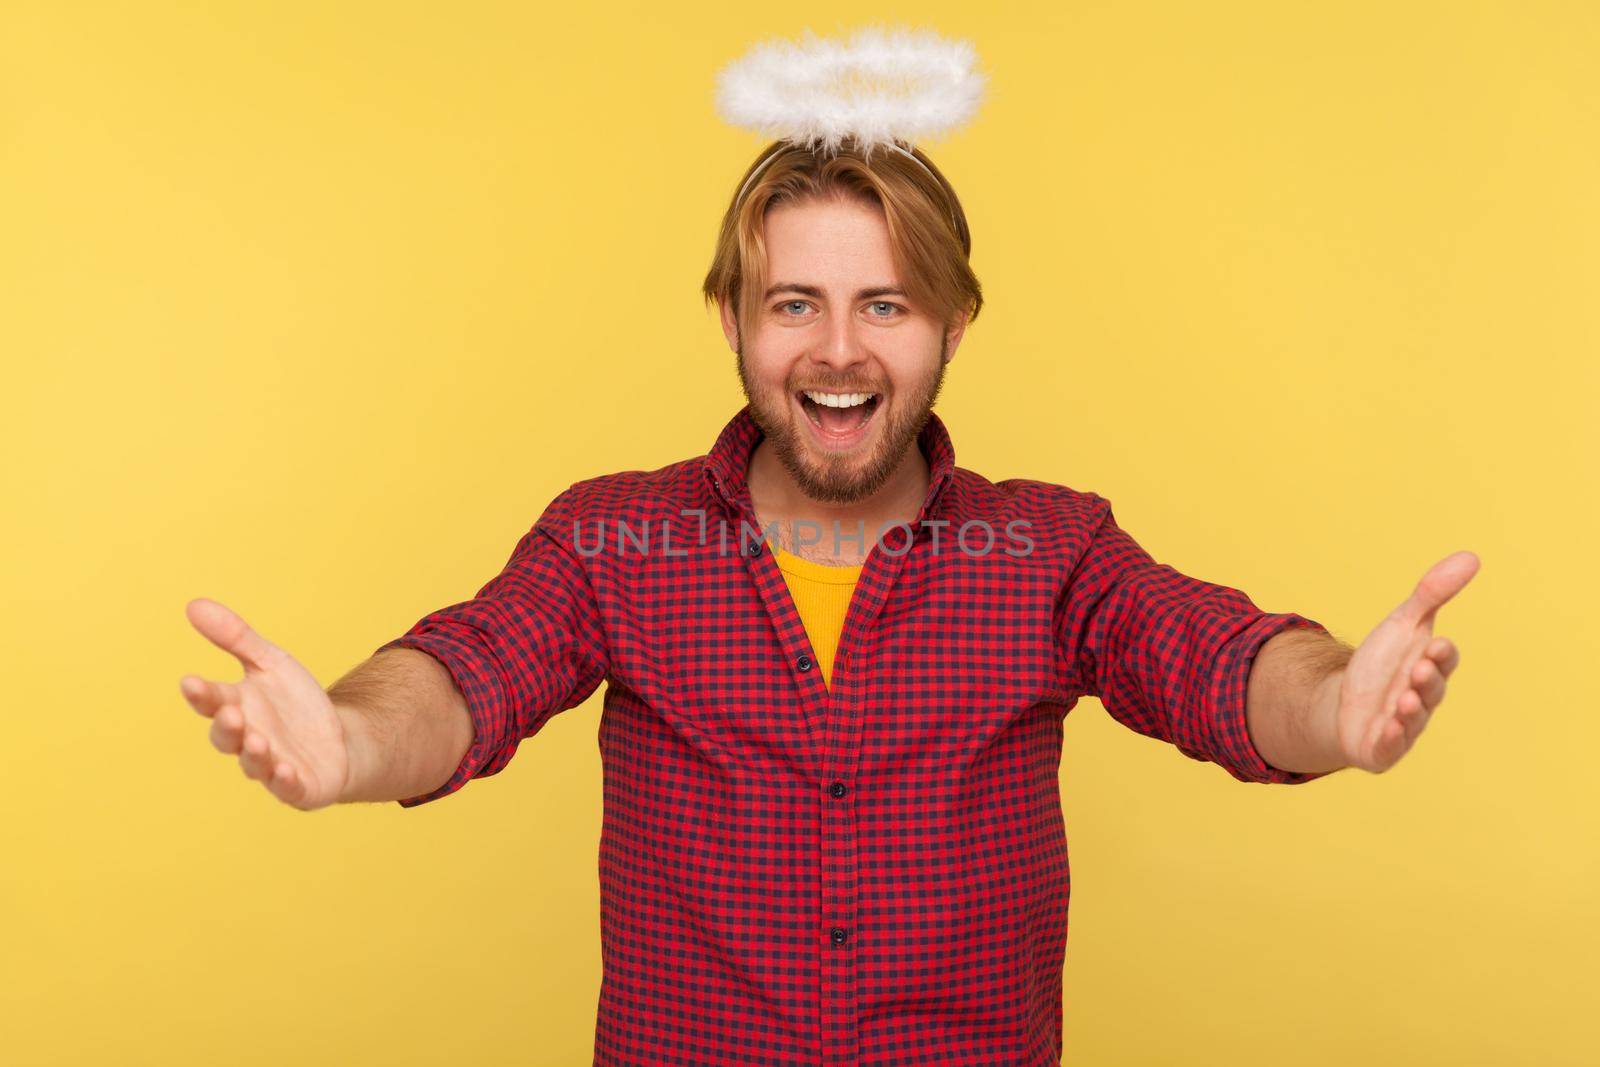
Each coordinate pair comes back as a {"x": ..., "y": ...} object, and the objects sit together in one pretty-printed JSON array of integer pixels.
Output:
[{"x": 879, "y": 87}]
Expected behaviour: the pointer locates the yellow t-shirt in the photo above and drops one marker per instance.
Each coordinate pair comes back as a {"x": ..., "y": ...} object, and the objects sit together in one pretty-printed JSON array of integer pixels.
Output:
[{"x": 821, "y": 595}]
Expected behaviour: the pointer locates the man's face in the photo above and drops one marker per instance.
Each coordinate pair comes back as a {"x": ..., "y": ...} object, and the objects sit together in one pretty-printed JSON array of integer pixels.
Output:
[{"x": 835, "y": 322}]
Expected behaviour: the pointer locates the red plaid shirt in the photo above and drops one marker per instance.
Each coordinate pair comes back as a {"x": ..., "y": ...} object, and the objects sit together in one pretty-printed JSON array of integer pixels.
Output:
[{"x": 871, "y": 875}]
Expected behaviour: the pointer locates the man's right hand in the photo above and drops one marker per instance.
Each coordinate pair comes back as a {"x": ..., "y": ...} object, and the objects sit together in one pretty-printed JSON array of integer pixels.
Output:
[{"x": 278, "y": 719}]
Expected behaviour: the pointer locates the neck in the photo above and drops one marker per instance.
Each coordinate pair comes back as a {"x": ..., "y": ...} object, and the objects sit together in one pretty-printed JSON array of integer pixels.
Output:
[{"x": 827, "y": 532}]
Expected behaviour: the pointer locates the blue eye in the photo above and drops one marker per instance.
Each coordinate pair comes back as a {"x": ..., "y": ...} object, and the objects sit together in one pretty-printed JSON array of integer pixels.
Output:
[{"x": 797, "y": 307}]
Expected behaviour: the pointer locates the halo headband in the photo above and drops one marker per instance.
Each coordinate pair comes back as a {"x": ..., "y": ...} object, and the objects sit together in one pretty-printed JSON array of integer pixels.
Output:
[{"x": 881, "y": 88}]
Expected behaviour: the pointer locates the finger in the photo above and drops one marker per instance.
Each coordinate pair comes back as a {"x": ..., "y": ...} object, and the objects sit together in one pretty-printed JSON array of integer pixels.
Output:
[
  {"x": 1444, "y": 580},
  {"x": 225, "y": 629},
  {"x": 255, "y": 756},
  {"x": 1415, "y": 709},
  {"x": 206, "y": 696},
  {"x": 286, "y": 784},
  {"x": 1444, "y": 652},
  {"x": 1413, "y": 717},
  {"x": 1406, "y": 722},
  {"x": 1427, "y": 680},
  {"x": 1388, "y": 744},
  {"x": 227, "y": 730}
]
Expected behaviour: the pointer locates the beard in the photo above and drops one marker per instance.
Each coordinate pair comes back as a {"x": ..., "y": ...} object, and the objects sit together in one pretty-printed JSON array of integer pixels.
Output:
[{"x": 844, "y": 479}]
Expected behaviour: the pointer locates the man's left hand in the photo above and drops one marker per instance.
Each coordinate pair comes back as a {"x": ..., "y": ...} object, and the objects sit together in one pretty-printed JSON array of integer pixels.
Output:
[{"x": 1395, "y": 679}]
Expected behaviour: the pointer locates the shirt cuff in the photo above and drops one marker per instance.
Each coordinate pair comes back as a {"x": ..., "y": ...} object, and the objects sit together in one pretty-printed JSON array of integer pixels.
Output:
[
  {"x": 480, "y": 684},
  {"x": 1239, "y": 754}
]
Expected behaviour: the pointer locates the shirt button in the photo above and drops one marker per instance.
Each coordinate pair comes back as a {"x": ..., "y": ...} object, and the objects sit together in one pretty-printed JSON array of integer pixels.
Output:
[
  {"x": 838, "y": 935},
  {"x": 804, "y": 663},
  {"x": 837, "y": 789}
]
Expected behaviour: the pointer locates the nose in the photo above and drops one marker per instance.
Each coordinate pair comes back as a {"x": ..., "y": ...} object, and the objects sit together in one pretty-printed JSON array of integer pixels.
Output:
[{"x": 840, "y": 349}]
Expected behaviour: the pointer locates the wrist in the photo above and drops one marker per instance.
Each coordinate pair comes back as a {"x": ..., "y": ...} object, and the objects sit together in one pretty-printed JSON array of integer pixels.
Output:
[
  {"x": 1323, "y": 727},
  {"x": 357, "y": 752}
]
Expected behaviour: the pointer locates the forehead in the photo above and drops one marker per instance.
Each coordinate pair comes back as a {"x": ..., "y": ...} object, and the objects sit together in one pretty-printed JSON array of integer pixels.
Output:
[{"x": 817, "y": 240}]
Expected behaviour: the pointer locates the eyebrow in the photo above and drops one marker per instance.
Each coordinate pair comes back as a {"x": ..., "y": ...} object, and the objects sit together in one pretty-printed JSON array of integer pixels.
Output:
[{"x": 815, "y": 293}]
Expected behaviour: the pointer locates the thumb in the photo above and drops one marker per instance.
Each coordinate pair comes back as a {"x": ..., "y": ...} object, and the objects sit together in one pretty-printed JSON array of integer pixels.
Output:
[
  {"x": 1444, "y": 580},
  {"x": 225, "y": 629}
]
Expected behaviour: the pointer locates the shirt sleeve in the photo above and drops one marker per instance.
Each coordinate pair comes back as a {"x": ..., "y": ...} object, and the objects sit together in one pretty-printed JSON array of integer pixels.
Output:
[
  {"x": 1168, "y": 655},
  {"x": 529, "y": 645}
]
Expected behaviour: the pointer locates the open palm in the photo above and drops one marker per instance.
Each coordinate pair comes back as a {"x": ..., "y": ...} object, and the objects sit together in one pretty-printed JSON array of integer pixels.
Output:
[
  {"x": 277, "y": 719},
  {"x": 1396, "y": 678}
]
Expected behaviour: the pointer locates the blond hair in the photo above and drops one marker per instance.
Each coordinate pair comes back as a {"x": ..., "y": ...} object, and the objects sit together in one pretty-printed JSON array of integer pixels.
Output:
[{"x": 927, "y": 227}]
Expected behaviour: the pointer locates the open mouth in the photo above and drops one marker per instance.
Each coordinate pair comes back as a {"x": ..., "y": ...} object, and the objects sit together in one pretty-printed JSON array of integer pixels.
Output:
[{"x": 838, "y": 416}]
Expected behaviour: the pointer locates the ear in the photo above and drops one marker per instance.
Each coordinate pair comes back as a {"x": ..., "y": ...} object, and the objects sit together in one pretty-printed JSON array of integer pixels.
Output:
[
  {"x": 953, "y": 335},
  {"x": 730, "y": 325}
]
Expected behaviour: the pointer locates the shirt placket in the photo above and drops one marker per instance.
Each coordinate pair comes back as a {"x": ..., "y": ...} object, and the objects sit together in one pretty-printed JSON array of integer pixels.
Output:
[{"x": 835, "y": 718}]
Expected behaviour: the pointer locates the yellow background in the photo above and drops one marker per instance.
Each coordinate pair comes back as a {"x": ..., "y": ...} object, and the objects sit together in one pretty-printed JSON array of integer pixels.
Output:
[{"x": 312, "y": 308}]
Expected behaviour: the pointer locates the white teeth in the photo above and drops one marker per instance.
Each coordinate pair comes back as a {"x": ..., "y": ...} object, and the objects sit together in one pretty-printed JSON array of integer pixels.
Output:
[{"x": 840, "y": 400}]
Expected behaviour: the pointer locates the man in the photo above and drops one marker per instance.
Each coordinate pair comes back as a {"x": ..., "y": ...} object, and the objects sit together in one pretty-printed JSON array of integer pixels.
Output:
[{"x": 838, "y": 667}]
